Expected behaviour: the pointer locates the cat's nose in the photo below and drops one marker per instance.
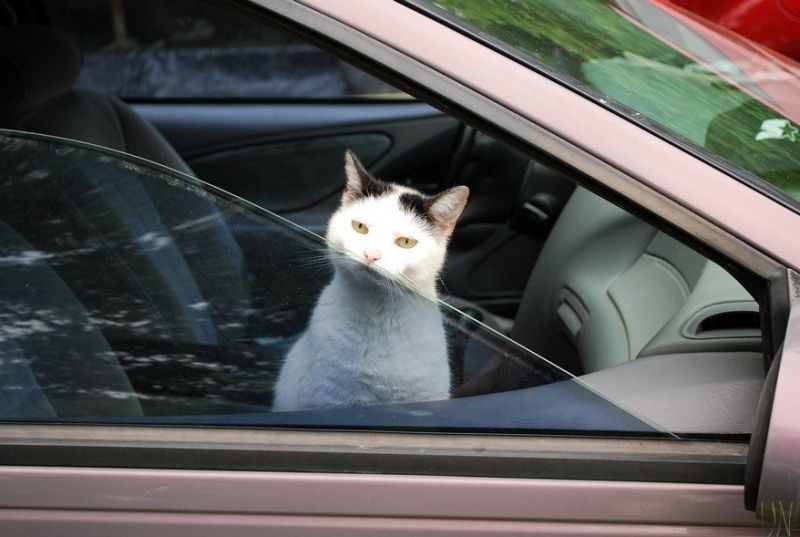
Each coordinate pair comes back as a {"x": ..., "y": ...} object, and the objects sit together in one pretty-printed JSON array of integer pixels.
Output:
[{"x": 372, "y": 254}]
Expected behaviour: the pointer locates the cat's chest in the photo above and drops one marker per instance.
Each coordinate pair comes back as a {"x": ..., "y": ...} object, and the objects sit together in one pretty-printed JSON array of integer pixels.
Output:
[
  {"x": 378, "y": 329},
  {"x": 387, "y": 335},
  {"x": 387, "y": 361}
]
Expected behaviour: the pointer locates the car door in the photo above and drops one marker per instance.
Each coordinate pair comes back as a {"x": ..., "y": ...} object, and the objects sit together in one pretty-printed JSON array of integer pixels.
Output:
[
  {"x": 113, "y": 477},
  {"x": 123, "y": 412}
]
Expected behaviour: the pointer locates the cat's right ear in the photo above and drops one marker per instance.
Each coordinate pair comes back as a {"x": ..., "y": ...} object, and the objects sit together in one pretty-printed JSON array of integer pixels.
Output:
[
  {"x": 356, "y": 175},
  {"x": 359, "y": 182}
]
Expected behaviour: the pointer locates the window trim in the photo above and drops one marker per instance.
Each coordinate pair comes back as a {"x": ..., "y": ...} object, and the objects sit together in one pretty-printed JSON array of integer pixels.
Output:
[
  {"x": 359, "y": 504},
  {"x": 402, "y": 453}
]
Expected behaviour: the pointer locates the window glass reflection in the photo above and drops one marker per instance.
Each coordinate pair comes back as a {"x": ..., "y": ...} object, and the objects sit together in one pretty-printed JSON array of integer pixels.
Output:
[{"x": 130, "y": 293}]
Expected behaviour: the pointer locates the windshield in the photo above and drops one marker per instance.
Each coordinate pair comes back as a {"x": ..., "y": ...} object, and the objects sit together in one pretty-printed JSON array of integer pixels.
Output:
[
  {"x": 662, "y": 69},
  {"x": 131, "y": 293}
]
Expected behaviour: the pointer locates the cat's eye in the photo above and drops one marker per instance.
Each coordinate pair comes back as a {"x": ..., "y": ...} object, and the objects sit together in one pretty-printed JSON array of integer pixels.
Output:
[
  {"x": 406, "y": 242},
  {"x": 362, "y": 228}
]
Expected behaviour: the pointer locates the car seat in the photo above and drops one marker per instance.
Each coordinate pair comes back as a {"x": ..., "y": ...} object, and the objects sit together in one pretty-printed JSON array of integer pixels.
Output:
[
  {"x": 53, "y": 363},
  {"x": 154, "y": 265},
  {"x": 39, "y": 67}
]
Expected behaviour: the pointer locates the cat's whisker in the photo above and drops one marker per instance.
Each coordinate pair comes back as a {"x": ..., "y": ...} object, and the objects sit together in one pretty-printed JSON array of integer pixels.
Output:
[
  {"x": 315, "y": 264},
  {"x": 312, "y": 258},
  {"x": 406, "y": 291},
  {"x": 446, "y": 290},
  {"x": 322, "y": 259}
]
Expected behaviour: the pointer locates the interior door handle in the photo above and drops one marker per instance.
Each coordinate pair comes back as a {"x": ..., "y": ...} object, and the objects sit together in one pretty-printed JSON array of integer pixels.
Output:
[{"x": 540, "y": 210}]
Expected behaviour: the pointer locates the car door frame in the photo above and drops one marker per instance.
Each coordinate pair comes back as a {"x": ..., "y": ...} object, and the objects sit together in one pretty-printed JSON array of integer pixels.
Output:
[{"x": 773, "y": 465}]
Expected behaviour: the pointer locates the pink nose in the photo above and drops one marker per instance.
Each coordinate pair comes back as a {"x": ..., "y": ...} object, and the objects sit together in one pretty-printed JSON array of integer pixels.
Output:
[{"x": 372, "y": 254}]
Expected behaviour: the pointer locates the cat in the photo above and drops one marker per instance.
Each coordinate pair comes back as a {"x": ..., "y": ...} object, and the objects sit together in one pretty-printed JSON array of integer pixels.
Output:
[{"x": 376, "y": 334}]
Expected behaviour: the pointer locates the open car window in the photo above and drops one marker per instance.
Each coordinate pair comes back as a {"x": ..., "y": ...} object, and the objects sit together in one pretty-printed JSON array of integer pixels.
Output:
[{"x": 131, "y": 293}]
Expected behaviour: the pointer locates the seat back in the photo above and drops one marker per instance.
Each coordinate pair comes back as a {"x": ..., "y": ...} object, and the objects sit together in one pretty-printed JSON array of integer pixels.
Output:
[
  {"x": 40, "y": 67},
  {"x": 53, "y": 361}
]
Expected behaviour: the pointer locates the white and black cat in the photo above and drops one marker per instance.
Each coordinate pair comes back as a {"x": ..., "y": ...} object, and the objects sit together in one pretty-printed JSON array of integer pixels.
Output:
[{"x": 370, "y": 339}]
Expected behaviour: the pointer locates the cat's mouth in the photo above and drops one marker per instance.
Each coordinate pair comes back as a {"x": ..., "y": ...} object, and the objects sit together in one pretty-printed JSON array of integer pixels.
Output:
[
  {"x": 361, "y": 268},
  {"x": 370, "y": 269}
]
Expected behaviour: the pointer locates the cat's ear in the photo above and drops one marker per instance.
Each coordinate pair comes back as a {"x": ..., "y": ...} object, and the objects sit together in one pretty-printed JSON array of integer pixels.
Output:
[
  {"x": 357, "y": 176},
  {"x": 446, "y": 207}
]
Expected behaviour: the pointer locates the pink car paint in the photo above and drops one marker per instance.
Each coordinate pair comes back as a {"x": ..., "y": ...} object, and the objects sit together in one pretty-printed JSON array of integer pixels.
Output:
[{"x": 163, "y": 502}]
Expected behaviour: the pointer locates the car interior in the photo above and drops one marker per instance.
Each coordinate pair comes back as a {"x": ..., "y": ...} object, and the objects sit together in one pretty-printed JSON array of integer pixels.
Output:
[{"x": 639, "y": 318}]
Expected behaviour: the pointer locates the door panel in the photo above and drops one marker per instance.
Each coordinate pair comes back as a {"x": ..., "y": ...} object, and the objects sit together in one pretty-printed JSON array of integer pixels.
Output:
[
  {"x": 197, "y": 128},
  {"x": 489, "y": 264},
  {"x": 95, "y": 501},
  {"x": 288, "y": 176},
  {"x": 288, "y": 157}
]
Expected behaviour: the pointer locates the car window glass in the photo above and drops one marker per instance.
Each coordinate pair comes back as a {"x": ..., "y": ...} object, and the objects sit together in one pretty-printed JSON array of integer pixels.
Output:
[
  {"x": 135, "y": 294},
  {"x": 188, "y": 50},
  {"x": 661, "y": 68}
]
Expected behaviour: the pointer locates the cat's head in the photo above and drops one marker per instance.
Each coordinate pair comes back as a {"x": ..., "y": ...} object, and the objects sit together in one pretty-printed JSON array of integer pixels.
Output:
[{"x": 398, "y": 229}]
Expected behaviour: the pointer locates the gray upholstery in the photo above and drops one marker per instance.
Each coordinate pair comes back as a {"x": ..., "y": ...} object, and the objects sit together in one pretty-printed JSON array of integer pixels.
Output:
[
  {"x": 614, "y": 298},
  {"x": 608, "y": 288},
  {"x": 715, "y": 292},
  {"x": 20, "y": 393},
  {"x": 121, "y": 208},
  {"x": 708, "y": 392},
  {"x": 102, "y": 120},
  {"x": 140, "y": 257},
  {"x": 592, "y": 243}
]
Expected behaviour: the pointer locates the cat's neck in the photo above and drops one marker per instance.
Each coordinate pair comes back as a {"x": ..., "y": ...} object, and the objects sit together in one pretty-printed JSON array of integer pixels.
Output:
[{"x": 375, "y": 292}]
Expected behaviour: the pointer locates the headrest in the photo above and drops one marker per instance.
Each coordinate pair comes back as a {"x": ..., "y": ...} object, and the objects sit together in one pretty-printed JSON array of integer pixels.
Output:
[{"x": 36, "y": 65}]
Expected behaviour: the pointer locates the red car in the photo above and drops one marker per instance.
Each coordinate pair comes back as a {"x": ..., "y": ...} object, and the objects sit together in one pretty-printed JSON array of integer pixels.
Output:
[
  {"x": 620, "y": 300},
  {"x": 773, "y": 23}
]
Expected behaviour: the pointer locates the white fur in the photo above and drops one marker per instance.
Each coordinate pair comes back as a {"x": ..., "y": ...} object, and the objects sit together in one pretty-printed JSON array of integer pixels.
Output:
[
  {"x": 418, "y": 266},
  {"x": 360, "y": 349},
  {"x": 369, "y": 342}
]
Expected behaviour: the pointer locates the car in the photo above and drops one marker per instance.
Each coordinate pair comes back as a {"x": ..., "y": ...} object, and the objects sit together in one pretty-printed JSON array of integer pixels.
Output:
[
  {"x": 621, "y": 298},
  {"x": 774, "y": 24}
]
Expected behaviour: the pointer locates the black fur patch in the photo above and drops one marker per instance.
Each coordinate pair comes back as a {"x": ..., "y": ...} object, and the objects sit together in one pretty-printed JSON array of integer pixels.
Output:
[
  {"x": 373, "y": 188},
  {"x": 417, "y": 205}
]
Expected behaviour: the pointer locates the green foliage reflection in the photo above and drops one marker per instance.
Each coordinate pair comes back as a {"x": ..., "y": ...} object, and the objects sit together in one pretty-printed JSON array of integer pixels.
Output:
[{"x": 600, "y": 49}]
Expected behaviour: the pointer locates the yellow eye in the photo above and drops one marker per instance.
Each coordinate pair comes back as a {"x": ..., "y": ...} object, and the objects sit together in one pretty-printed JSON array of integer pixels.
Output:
[
  {"x": 360, "y": 227},
  {"x": 406, "y": 242}
]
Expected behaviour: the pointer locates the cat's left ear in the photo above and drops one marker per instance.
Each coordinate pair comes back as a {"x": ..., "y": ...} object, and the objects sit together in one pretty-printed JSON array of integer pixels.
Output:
[
  {"x": 446, "y": 207},
  {"x": 357, "y": 176}
]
